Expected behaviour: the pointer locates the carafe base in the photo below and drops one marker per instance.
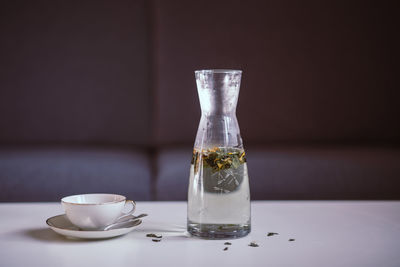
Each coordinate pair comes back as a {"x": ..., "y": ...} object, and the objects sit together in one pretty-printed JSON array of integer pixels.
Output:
[{"x": 218, "y": 231}]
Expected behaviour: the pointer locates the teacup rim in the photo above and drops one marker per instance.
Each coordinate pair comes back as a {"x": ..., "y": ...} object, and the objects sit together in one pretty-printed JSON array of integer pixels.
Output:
[{"x": 88, "y": 204}]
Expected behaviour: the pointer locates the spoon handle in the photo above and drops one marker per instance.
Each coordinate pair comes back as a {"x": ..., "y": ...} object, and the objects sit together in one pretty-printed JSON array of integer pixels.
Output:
[{"x": 132, "y": 219}]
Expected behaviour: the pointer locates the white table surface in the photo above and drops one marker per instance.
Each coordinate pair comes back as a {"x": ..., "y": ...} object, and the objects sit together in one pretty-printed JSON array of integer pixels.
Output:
[{"x": 326, "y": 233}]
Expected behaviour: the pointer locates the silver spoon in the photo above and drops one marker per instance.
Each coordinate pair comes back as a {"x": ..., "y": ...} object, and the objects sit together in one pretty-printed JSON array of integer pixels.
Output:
[{"x": 131, "y": 219}]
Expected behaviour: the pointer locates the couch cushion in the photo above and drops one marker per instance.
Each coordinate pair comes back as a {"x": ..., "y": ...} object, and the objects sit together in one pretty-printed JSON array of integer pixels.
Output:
[
  {"x": 326, "y": 172},
  {"x": 312, "y": 70},
  {"x": 305, "y": 172},
  {"x": 74, "y": 71},
  {"x": 47, "y": 174}
]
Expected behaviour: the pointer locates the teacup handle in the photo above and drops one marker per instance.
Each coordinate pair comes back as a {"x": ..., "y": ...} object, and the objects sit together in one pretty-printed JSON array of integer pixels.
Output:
[{"x": 126, "y": 214}]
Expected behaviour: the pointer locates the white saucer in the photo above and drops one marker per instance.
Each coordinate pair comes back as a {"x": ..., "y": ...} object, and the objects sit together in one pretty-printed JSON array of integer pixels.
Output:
[{"x": 61, "y": 225}]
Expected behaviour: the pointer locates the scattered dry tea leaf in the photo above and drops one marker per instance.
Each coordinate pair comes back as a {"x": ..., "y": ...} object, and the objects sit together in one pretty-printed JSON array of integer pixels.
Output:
[
  {"x": 272, "y": 234},
  {"x": 154, "y": 235},
  {"x": 291, "y": 239},
  {"x": 253, "y": 244},
  {"x": 156, "y": 240},
  {"x": 226, "y": 248},
  {"x": 227, "y": 243}
]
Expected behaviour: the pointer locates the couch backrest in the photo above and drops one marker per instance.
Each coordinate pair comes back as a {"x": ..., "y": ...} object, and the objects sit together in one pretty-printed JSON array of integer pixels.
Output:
[
  {"x": 82, "y": 71},
  {"x": 75, "y": 71},
  {"x": 312, "y": 70}
]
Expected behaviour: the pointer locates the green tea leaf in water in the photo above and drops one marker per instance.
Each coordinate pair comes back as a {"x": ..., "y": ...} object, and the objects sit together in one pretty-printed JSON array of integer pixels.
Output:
[
  {"x": 222, "y": 168},
  {"x": 219, "y": 158},
  {"x": 235, "y": 162}
]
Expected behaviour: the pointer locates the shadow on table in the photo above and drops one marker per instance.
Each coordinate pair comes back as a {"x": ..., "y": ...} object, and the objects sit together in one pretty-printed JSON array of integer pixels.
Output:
[
  {"x": 172, "y": 231},
  {"x": 47, "y": 235}
]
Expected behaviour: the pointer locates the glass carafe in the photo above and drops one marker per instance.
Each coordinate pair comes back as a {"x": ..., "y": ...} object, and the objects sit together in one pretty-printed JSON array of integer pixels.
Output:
[{"x": 219, "y": 194}]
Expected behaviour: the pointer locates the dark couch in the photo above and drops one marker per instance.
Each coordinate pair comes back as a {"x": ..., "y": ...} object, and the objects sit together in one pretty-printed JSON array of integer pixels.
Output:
[{"x": 100, "y": 96}]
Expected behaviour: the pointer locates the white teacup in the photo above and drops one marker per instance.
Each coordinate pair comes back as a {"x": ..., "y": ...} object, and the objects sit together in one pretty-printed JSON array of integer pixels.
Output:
[{"x": 96, "y": 211}]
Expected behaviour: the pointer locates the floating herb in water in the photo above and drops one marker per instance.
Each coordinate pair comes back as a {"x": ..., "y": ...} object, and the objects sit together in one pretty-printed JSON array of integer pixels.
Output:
[
  {"x": 222, "y": 168},
  {"x": 218, "y": 158}
]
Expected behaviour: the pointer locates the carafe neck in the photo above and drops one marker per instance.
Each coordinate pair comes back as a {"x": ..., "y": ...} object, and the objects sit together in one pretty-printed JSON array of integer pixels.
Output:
[{"x": 218, "y": 93}]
